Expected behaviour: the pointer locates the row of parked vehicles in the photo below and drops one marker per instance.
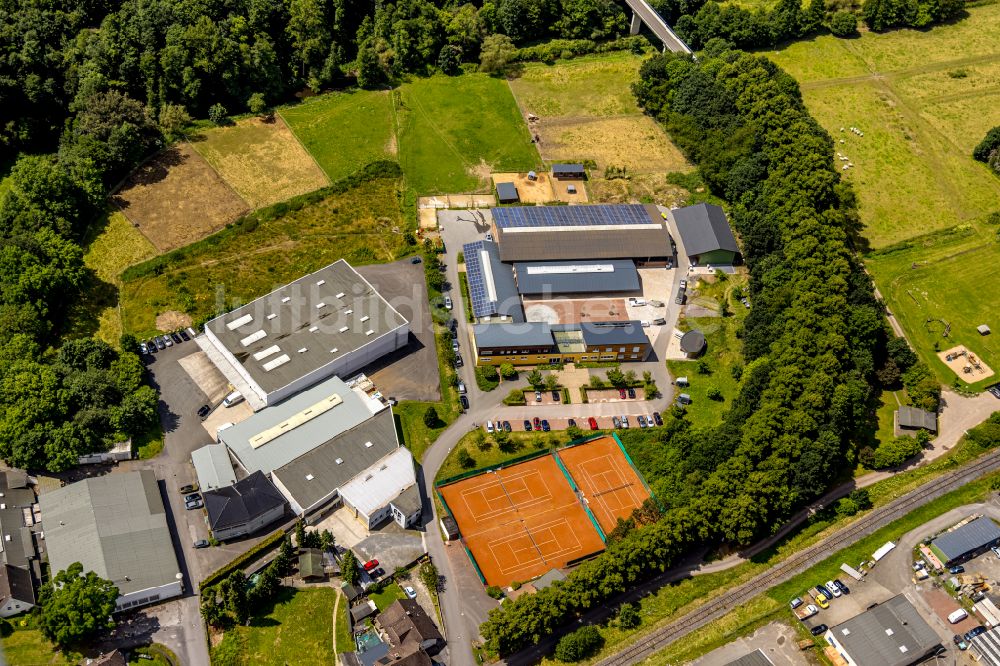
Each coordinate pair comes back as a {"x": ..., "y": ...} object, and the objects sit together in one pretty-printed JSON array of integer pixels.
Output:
[
  {"x": 161, "y": 342},
  {"x": 822, "y": 594}
]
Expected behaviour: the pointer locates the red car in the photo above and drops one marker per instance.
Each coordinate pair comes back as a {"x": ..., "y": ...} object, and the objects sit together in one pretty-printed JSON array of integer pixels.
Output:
[
  {"x": 538, "y": 423},
  {"x": 621, "y": 393},
  {"x": 371, "y": 565},
  {"x": 593, "y": 423}
]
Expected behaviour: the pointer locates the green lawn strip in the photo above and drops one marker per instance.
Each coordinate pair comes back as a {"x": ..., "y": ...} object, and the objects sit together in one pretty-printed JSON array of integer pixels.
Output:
[
  {"x": 451, "y": 126},
  {"x": 345, "y": 130},
  {"x": 595, "y": 86},
  {"x": 483, "y": 382},
  {"x": 939, "y": 278},
  {"x": 463, "y": 287},
  {"x": 156, "y": 655},
  {"x": 345, "y": 641},
  {"x": 239, "y": 264},
  {"x": 524, "y": 443},
  {"x": 296, "y": 629},
  {"x": 28, "y": 647},
  {"x": 148, "y": 444},
  {"x": 384, "y": 597}
]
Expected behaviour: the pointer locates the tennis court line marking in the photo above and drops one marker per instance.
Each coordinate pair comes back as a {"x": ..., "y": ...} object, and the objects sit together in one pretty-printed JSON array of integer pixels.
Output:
[
  {"x": 609, "y": 465},
  {"x": 496, "y": 481},
  {"x": 502, "y": 541}
]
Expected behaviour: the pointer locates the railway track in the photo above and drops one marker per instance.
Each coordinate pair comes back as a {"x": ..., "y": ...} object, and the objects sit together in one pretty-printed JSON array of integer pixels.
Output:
[{"x": 799, "y": 562}]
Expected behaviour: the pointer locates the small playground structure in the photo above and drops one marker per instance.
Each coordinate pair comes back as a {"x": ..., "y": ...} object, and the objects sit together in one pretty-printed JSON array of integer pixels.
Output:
[{"x": 966, "y": 364}]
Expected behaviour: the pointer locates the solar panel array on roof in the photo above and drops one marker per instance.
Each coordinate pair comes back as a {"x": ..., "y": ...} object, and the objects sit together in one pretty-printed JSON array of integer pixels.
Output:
[
  {"x": 482, "y": 306},
  {"x": 570, "y": 216}
]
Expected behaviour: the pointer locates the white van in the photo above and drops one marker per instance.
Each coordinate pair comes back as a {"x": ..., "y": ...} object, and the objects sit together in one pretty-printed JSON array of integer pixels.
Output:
[
  {"x": 233, "y": 398},
  {"x": 958, "y": 616}
]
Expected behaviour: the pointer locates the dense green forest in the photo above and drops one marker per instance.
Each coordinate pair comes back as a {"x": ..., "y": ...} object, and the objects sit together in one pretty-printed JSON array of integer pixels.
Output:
[{"x": 815, "y": 345}]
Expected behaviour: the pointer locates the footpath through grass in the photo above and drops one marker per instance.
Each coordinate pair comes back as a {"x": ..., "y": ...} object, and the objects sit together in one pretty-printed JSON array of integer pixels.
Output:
[
  {"x": 296, "y": 629},
  {"x": 239, "y": 264}
]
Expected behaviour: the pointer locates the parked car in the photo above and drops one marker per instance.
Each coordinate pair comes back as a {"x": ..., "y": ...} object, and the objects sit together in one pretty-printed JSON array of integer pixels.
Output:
[
  {"x": 621, "y": 393},
  {"x": 545, "y": 425},
  {"x": 184, "y": 335},
  {"x": 977, "y": 596},
  {"x": 506, "y": 426},
  {"x": 201, "y": 543},
  {"x": 160, "y": 344},
  {"x": 840, "y": 586},
  {"x": 958, "y": 616},
  {"x": 371, "y": 565},
  {"x": 415, "y": 260},
  {"x": 833, "y": 588},
  {"x": 796, "y": 602},
  {"x": 196, "y": 504},
  {"x": 447, "y": 303},
  {"x": 960, "y": 642},
  {"x": 657, "y": 418},
  {"x": 204, "y": 411},
  {"x": 454, "y": 334},
  {"x": 537, "y": 422},
  {"x": 458, "y": 361},
  {"x": 624, "y": 421},
  {"x": 189, "y": 488},
  {"x": 571, "y": 423},
  {"x": 176, "y": 338},
  {"x": 151, "y": 346},
  {"x": 957, "y": 569},
  {"x": 453, "y": 324},
  {"x": 659, "y": 321},
  {"x": 818, "y": 629},
  {"x": 410, "y": 592},
  {"x": 538, "y": 396},
  {"x": 527, "y": 425},
  {"x": 994, "y": 390},
  {"x": 592, "y": 422},
  {"x": 641, "y": 421},
  {"x": 489, "y": 426},
  {"x": 684, "y": 285},
  {"x": 825, "y": 592},
  {"x": 167, "y": 341},
  {"x": 556, "y": 396},
  {"x": 822, "y": 601},
  {"x": 143, "y": 349},
  {"x": 616, "y": 422},
  {"x": 631, "y": 393},
  {"x": 975, "y": 631},
  {"x": 464, "y": 402},
  {"x": 996, "y": 550},
  {"x": 232, "y": 399},
  {"x": 454, "y": 345},
  {"x": 192, "y": 497},
  {"x": 680, "y": 298},
  {"x": 461, "y": 387}
]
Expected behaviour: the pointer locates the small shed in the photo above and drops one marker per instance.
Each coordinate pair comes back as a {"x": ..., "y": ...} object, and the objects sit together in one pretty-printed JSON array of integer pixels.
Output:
[
  {"x": 910, "y": 419},
  {"x": 449, "y": 527},
  {"x": 684, "y": 399},
  {"x": 361, "y": 611},
  {"x": 568, "y": 171},
  {"x": 693, "y": 343},
  {"x": 311, "y": 565},
  {"x": 507, "y": 193},
  {"x": 350, "y": 591},
  {"x": 983, "y": 329}
]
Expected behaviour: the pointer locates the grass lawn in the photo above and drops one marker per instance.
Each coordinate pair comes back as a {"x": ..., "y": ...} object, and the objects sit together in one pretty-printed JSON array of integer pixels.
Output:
[
  {"x": 345, "y": 641},
  {"x": 28, "y": 647},
  {"x": 297, "y": 629},
  {"x": 389, "y": 594},
  {"x": 723, "y": 352},
  {"x": 453, "y": 131},
  {"x": 524, "y": 443},
  {"x": 239, "y": 264},
  {"x": 149, "y": 444},
  {"x": 942, "y": 277},
  {"x": 153, "y": 655},
  {"x": 263, "y": 162},
  {"x": 344, "y": 131}
]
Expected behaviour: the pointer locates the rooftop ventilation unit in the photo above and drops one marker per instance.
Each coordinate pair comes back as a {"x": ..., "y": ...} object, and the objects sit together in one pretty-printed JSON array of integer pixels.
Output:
[
  {"x": 271, "y": 316},
  {"x": 340, "y": 295},
  {"x": 347, "y": 312},
  {"x": 286, "y": 299},
  {"x": 340, "y": 461},
  {"x": 365, "y": 318},
  {"x": 334, "y": 350},
  {"x": 236, "y": 323},
  {"x": 320, "y": 283},
  {"x": 303, "y": 350},
  {"x": 309, "y": 477},
  {"x": 344, "y": 329},
  {"x": 264, "y": 353},
  {"x": 320, "y": 305},
  {"x": 368, "y": 445},
  {"x": 294, "y": 421},
  {"x": 369, "y": 332},
  {"x": 281, "y": 360}
]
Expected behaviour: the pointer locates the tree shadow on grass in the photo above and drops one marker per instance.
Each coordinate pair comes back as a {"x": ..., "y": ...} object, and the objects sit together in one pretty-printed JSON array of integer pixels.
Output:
[{"x": 83, "y": 318}]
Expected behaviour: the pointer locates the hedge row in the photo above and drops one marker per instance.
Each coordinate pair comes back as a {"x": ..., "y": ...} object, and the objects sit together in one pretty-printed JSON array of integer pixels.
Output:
[{"x": 270, "y": 541}]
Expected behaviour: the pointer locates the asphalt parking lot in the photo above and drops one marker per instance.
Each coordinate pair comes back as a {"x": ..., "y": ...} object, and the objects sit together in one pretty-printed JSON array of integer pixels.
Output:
[
  {"x": 410, "y": 373},
  {"x": 863, "y": 594}
]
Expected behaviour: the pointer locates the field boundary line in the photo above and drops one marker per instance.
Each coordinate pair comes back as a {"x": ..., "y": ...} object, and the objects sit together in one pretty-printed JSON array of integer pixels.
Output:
[
  {"x": 250, "y": 209},
  {"x": 288, "y": 126}
]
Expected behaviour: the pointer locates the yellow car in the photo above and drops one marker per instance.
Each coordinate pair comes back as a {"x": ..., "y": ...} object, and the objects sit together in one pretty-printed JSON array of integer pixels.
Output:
[{"x": 822, "y": 601}]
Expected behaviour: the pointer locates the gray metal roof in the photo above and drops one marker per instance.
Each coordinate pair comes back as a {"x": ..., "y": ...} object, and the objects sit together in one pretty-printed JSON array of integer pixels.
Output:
[
  {"x": 755, "y": 658},
  {"x": 567, "y": 168},
  {"x": 704, "y": 228},
  {"x": 987, "y": 646},
  {"x": 20, "y": 548},
  {"x": 492, "y": 289},
  {"x": 241, "y": 502},
  {"x": 971, "y": 536},
  {"x": 409, "y": 500},
  {"x": 313, "y": 476},
  {"x": 115, "y": 526},
  {"x": 613, "y": 333},
  {"x": 213, "y": 467},
  {"x": 600, "y": 231},
  {"x": 576, "y": 277},
  {"x": 16, "y": 583},
  {"x": 527, "y": 334},
  {"x": 692, "y": 342},
  {"x": 506, "y": 192},
  {"x": 891, "y": 634},
  {"x": 352, "y": 411},
  {"x": 311, "y": 320},
  {"x": 548, "y": 578},
  {"x": 911, "y": 417}
]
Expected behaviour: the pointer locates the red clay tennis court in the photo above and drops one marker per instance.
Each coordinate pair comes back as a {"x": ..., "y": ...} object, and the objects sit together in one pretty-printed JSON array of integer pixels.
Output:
[
  {"x": 610, "y": 485},
  {"x": 521, "y": 521}
]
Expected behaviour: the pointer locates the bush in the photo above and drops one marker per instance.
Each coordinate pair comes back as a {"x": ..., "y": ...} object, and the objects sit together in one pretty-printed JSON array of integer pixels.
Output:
[
  {"x": 579, "y": 645},
  {"x": 465, "y": 460},
  {"x": 703, "y": 368},
  {"x": 431, "y": 418},
  {"x": 515, "y": 397},
  {"x": 844, "y": 24},
  {"x": 714, "y": 394},
  {"x": 628, "y": 617},
  {"x": 218, "y": 114},
  {"x": 989, "y": 143},
  {"x": 861, "y": 498},
  {"x": 494, "y": 592},
  {"x": 508, "y": 371},
  {"x": 895, "y": 452}
]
